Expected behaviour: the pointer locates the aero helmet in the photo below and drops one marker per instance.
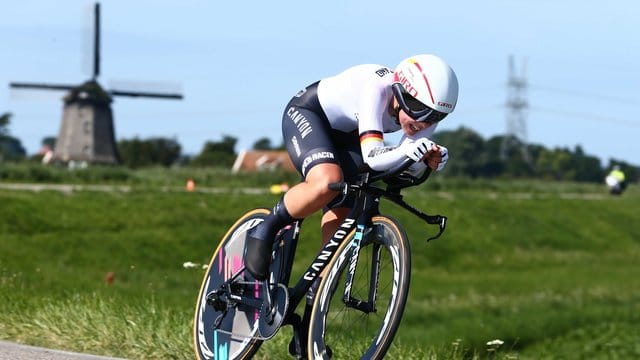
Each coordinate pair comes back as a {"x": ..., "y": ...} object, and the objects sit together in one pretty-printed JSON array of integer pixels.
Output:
[{"x": 426, "y": 88}]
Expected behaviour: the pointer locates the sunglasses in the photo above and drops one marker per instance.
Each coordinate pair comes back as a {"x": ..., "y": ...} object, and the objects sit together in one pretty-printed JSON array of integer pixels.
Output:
[{"x": 414, "y": 108}]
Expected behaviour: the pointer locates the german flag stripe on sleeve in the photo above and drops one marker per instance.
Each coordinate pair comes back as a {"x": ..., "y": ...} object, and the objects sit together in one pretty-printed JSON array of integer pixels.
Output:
[{"x": 371, "y": 136}]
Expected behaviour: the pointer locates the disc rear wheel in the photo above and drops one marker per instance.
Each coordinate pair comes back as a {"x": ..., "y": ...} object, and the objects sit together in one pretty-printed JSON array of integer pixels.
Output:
[{"x": 223, "y": 330}]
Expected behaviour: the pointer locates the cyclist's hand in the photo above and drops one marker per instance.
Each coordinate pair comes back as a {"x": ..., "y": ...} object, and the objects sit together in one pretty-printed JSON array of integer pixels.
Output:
[
  {"x": 437, "y": 157},
  {"x": 418, "y": 149}
]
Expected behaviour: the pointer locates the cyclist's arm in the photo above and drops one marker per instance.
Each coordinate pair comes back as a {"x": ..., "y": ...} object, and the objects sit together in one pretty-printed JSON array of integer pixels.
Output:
[
  {"x": 380, "y": 157},
  {"x": 435, "y": 160},
  {"x": 375, "y": 154},
  {"x": 371, "y": 104}
]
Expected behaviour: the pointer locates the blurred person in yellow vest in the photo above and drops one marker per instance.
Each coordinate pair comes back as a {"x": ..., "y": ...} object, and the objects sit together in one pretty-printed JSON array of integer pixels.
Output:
[{"x": 616, "y": 181}]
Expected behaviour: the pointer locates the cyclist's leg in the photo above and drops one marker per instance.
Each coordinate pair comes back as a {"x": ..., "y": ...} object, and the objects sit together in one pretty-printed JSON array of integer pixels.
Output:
[
  {"x": 334, "y": 214},
  {"x": 313, "y": 193},
  {"x": 304, "y": 198},
  {"x": 307, "y": 133},
  {"x": 300, "y": 201},
  {"x": 351, "y": 161},
  {"x": 260, "y": 240},
  {"x": 336, "y": 210}
]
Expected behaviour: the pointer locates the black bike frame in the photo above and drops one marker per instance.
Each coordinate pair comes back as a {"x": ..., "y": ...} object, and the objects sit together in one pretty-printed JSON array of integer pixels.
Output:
[
  {"x": 367, "y": 200},
  {"x": 366, "y": 207},
  {"x": 359, "y": 218}
]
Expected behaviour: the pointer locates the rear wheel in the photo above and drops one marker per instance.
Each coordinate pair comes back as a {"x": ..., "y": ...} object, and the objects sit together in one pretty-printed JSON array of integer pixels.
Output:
[
  {"x": 357, "y": 311},
  {"x": 221, "y": 331}
]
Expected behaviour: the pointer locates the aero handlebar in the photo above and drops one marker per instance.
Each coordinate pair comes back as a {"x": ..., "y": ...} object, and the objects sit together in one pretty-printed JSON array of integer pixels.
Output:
[{"x": 391, "y": 193}]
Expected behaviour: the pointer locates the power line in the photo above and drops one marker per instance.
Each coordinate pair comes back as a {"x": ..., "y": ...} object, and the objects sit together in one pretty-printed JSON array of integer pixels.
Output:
[
  {"x": 584, "y": 94},
  {"x": 587, "y": 116}
]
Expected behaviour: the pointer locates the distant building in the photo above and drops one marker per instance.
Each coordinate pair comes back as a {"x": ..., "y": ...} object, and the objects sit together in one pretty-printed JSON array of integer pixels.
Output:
[
  {"x": 86, "y": 132},
  {"x": 261, "y": 160}
]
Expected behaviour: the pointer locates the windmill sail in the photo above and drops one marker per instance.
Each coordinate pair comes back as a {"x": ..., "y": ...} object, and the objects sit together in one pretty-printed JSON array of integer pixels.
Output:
[
  {"x": 96, "y": 42},
  {"x": 44, "y": 86}
]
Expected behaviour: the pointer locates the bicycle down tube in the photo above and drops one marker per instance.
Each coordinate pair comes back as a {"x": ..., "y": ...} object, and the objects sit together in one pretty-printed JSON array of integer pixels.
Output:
[{"x": 366, "y": 207}]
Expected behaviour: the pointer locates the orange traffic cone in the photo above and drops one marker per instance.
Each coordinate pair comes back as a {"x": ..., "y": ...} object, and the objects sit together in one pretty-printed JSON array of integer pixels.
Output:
[{"x": 191, "y": 185}]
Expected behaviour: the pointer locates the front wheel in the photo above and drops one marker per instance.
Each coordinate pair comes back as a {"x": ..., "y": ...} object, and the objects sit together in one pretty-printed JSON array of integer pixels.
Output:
[
  {"x": 361, "y": 298},
  {"x": 222, "y": 331}
]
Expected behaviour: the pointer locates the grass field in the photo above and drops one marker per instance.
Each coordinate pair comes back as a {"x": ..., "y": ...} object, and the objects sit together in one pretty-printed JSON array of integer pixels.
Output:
[{"x": 550, "y": 270}]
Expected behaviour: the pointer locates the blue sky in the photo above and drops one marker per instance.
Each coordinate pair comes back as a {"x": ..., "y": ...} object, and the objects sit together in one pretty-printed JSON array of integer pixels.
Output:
[{"x": 238, "y": 63}]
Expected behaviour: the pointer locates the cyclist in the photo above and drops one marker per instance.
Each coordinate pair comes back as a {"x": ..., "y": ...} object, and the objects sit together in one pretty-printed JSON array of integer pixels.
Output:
[
  {"x": 616, "y": 180},
  {"x": 334, "y": 126}
]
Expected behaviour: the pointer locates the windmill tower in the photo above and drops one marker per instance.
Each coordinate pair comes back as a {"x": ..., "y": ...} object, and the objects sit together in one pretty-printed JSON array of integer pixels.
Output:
[
  {"x": 87, "y": 133},
  {"x": 516, "y": 137}
]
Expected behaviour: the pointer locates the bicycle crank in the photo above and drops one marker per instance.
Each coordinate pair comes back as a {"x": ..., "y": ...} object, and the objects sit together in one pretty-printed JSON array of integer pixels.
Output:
[{"x": 272, "y": 311}]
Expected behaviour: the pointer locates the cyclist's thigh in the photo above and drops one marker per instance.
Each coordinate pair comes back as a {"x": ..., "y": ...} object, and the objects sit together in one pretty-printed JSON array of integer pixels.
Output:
[
  {"x": 307, "y": 133},
  {"x": 351, "y": 162},
  {"x": 349, "y": 153}
]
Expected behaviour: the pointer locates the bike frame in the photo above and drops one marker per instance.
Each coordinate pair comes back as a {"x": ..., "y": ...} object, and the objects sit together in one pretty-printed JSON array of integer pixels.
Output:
[
  {"x": 366, "y": 206},
  {"x": 359, "y": 218}
]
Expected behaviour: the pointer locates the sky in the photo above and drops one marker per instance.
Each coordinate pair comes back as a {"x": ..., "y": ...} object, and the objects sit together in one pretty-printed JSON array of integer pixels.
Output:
[{"x": 238, "y": 63}]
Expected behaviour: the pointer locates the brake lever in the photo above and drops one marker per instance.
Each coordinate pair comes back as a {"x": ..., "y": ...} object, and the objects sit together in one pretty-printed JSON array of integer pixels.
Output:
[{"x": 441, "y": 221}]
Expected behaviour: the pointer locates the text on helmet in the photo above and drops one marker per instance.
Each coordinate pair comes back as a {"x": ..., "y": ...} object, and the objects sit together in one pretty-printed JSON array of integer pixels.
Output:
[
  {"x": 402, "y": 79},
  {"x": 444, "y": 104}
]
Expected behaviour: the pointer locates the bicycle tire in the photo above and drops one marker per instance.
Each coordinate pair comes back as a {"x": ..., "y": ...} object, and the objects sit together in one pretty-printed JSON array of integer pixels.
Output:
[
  {"x": 228, "y": 257},
  {"x": 351, "y": 333}
]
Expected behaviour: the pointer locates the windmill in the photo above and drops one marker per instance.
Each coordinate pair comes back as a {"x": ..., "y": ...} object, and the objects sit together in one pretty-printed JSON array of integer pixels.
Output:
[{"x": 87, "y": 133}]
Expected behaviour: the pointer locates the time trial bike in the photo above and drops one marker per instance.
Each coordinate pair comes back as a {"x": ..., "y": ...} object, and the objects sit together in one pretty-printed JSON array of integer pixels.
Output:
[{"x": 364, "y": 272}]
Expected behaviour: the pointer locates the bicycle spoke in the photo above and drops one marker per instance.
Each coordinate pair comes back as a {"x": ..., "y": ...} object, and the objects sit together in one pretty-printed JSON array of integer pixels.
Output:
[{"x": 378, "y": 292}]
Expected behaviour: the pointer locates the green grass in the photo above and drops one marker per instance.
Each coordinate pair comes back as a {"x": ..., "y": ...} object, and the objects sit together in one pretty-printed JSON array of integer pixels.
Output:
[
  {"x": 152, "y": 176},
  {"x": 550, "y": 269}
]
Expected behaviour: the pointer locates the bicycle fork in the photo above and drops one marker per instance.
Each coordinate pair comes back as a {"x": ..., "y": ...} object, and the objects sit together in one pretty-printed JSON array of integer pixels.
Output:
[{"x": 369, "y": 305}]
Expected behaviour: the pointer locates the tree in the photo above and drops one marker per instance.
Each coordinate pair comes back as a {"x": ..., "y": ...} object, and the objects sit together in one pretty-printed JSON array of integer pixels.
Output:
[
  {"x": 514, "y": 154},
  {"x": 587, "y": 167},
  {"x": 220, "y": 153},
  {"x": 262, "y": 144},
  {"x": 5, "y": 119},
  {"x": 265, "y": 144},
  {"x": 493, "y": 166},
  {"x": 49, "y": 141},
  {"x": 10, "y": 148},
  {"x": 471, "y": 156},
  {"x": 556, "y": 164},
  {"x": 137, "y": 153},
  {"x": 466, "y": 150}
]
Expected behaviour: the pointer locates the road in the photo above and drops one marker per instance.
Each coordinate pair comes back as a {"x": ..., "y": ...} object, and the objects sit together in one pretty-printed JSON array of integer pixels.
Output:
[
  {"x": 13, "y": 351},
  {"x": 70, "y": 188}
]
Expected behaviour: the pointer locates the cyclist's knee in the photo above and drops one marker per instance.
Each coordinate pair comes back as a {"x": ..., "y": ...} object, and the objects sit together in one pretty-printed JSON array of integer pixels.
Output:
[{"x": 321, "y": 176}]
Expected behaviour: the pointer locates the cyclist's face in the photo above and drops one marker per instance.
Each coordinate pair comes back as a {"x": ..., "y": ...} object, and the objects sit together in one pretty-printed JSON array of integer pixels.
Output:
[{"x": 409, "y": 125}]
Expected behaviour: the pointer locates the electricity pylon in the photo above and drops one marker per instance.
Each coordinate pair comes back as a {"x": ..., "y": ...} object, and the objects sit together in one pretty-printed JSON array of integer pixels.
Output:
[{"x": 516, "y": 136}]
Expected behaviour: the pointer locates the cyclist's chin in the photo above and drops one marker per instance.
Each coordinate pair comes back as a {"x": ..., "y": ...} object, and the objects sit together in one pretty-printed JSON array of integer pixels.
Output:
[
  {"x": 410, "y": 130},
  {"x": 410, "y": 126}
]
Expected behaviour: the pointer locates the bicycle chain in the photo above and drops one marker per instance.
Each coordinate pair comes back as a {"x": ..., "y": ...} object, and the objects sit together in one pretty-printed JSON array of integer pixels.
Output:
[{"x": 256, "y": 325}]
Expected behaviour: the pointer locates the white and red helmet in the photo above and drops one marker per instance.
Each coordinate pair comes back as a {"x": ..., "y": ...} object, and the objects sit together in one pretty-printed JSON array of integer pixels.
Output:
[{"x": 426, "y": 87}]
